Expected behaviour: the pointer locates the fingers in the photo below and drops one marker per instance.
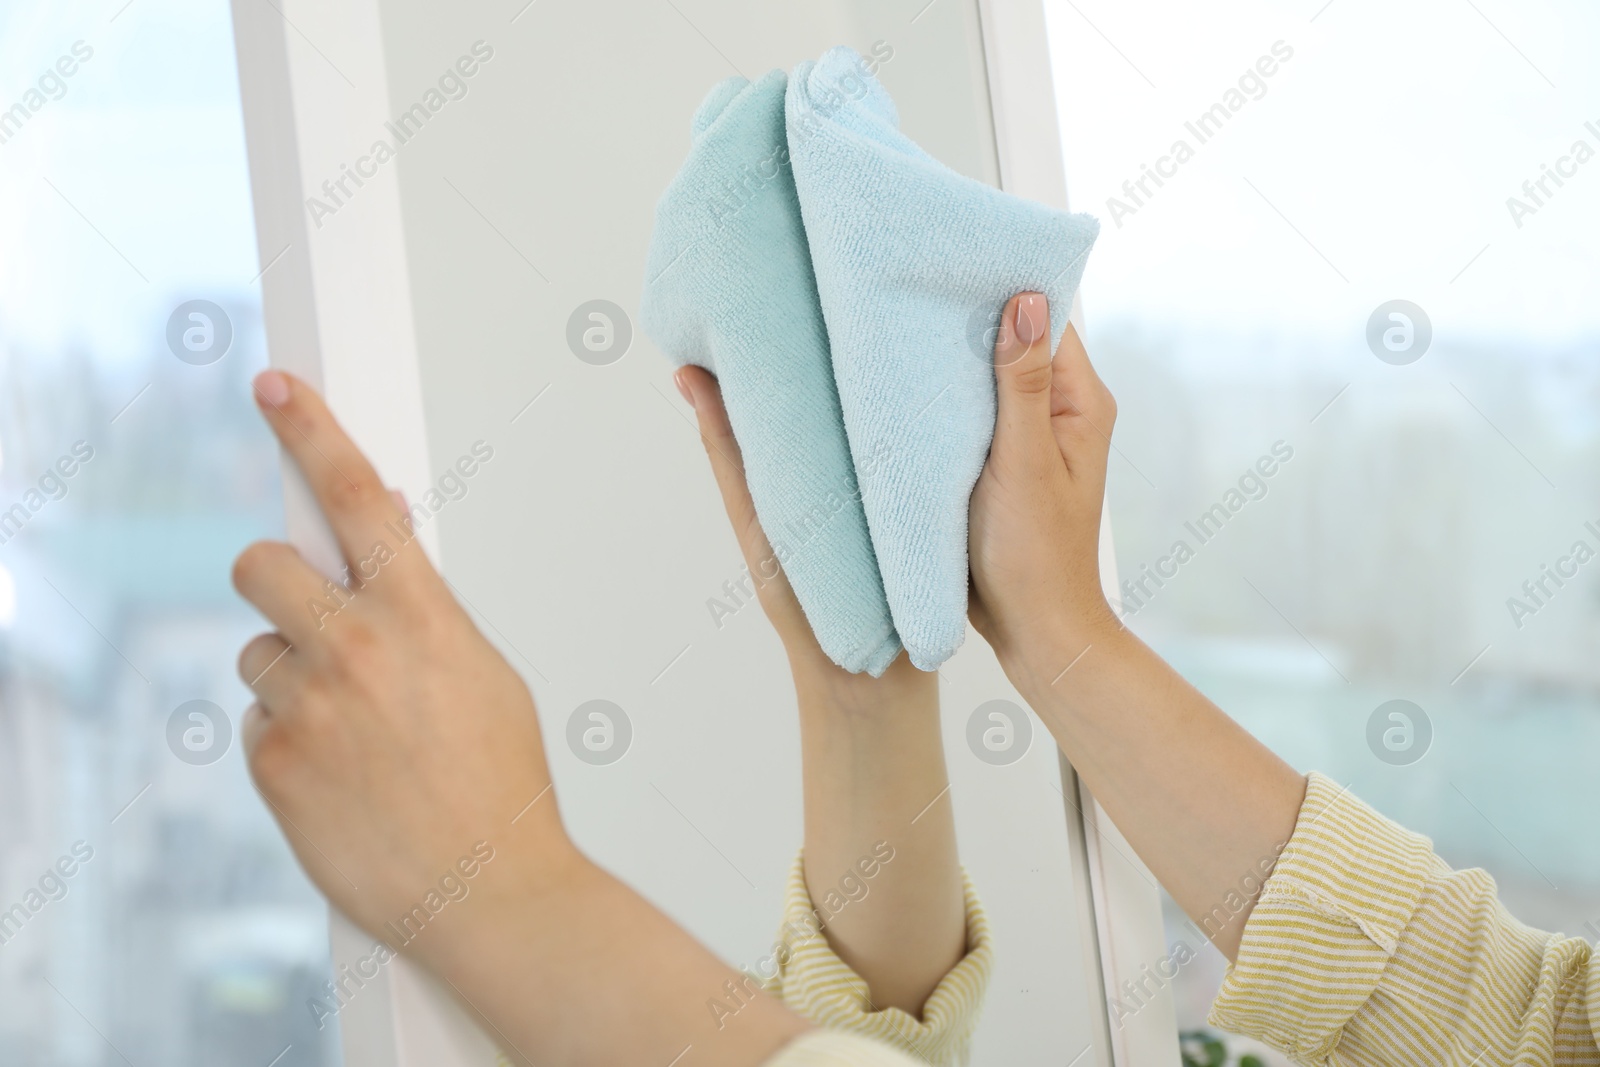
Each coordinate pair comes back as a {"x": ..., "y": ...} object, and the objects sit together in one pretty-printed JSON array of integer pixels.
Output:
[
  {"x": 727, "y": 463},
  {"x": 346, "y": 486},
  {"x": 268, "y": 666},
  {"x": 1082, "y": 409},
  {"x": 1022, "y": 376},
  {"x": 294, "y": 598},
  {"x": 252, "y": 728}
]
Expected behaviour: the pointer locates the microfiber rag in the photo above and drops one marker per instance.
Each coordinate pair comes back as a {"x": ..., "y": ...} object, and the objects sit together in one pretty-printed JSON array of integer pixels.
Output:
[
  {"x": 728, "y": 286},
  {"x": 913, "y": 263}
]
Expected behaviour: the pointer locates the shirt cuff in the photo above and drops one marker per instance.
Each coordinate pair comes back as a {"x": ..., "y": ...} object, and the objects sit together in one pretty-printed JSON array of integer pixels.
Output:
[
  {"x": 820, "y": 986},
  {"x": 830, "y": 1048},
  {"x": 1327, "y": 923},
  {"x": 1591, "y": 996}
]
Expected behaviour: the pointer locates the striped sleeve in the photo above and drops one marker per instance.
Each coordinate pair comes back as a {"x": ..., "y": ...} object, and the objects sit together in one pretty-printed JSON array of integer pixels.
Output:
[
  {"x": 1366, "y": 949},
  {"x": 814, "y": 982}
]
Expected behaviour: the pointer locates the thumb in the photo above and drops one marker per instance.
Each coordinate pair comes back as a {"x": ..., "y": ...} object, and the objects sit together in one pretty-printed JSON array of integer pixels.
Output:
[{"x": 1022, "y": 377}]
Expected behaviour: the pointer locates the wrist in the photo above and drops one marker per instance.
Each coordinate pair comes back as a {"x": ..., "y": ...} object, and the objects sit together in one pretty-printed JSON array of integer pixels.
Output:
[
  {"x": 535, "y": 871},
  {"x": 1049, "y": 662},
  {"x": 827, "y": 691},
  {"x": 565, "y": 962}
]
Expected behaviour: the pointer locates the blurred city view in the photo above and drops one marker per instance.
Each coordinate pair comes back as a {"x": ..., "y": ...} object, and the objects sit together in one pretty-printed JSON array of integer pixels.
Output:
[
  {"x": 1377, "y": 566},
  {"x": 188, "y": 936},
  {"x": 1409, "y": 509},
  {"x": 1361, "y": 524}
]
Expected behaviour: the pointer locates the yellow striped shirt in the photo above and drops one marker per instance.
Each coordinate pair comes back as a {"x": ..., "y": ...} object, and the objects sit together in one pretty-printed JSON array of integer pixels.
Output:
[
  {"x": 1366, "y": 949},
  {"x": 815, "y": 983}
]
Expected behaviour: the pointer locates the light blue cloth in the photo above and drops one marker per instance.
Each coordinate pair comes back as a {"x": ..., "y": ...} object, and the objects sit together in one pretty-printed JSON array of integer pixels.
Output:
[
  {"x": 913, "y": 263},
  {"x": 729, "y": 287},
  {"x": 804, "y": 221}
]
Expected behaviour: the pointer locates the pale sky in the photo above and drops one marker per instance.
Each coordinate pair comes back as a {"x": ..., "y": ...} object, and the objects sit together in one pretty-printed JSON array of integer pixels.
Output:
[
  {"x": 1390, "y": 140},
  {"x": 147, "y": 145}
]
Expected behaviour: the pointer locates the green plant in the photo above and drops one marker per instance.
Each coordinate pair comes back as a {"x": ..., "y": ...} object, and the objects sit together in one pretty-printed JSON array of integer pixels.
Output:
[{"x": 1205, "y": 1048}]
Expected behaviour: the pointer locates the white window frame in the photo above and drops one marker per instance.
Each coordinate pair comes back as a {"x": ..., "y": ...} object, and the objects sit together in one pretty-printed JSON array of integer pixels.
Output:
[
  {"x": 1121, "y": 915},
  {"x": 337, "y": 313}
]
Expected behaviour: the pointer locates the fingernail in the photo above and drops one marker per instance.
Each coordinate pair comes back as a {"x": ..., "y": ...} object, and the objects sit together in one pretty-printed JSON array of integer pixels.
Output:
[
  {"x": 1033, "y": 318},
  {"x": 399, "y": 499},
  {"x": 272, "y": 388},
  {"x": 683, "y": 387}
]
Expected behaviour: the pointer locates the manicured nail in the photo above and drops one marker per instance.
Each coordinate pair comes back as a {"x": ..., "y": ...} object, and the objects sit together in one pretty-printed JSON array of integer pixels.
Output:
[
  {"x": 683, "y": 387},
  {"x": 1033, "y": 318},
  {"x": 272, "y": 388}
]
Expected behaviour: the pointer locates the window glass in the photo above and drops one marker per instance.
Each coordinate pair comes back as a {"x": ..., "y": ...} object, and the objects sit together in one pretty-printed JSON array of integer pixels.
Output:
[
  {"x": 1344, "y": 294},
  {"x": 150, "y": 911}
]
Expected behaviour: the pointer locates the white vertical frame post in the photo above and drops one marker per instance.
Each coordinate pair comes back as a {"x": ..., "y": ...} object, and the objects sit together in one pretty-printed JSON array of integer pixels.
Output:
[
  {"x": 337, "y": 308},
  {"x": 1124, "y": 920}
]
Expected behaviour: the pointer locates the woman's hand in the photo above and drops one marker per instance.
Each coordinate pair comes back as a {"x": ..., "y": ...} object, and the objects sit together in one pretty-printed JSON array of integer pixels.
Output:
[
  {"x": 873, "y": 762},
  {"x": 402, "y": 756},
  {"x": 1133, "y": 728},
  {"x": 811, "y": 666},
  {"x": 773, "y": 590},
  {"x": 389, "y": 737},
  {"x": 1034, "y": 518}
]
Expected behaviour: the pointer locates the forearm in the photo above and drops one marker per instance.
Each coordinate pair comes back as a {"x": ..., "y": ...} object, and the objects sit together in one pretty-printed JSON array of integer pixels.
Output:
[
  {"x": 570, "y": 966},
  {"x": 1205, "y": 804},
  {"x": 873, "y": 763},
  {"x": 875, "y": 776}
]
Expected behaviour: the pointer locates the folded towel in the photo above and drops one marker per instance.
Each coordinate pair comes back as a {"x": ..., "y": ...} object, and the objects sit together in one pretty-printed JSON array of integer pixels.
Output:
[
  {"x": 729, "y": 288},
  {"x": 913, "y": 263}
]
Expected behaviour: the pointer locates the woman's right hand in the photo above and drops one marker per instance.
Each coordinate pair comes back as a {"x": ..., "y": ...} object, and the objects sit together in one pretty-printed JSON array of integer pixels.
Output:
[
  {"x": 1034, "y": 518},
  {"x": 1133, "y": 728}
]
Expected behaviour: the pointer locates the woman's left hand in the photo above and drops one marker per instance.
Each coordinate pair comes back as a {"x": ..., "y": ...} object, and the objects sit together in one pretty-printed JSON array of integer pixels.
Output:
[
  {"x": 389, "y": 737},
  {"x": 874, "y": 767},
  {"x": 772, "y": 587},
  {"x": 401, "y": 754}
]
